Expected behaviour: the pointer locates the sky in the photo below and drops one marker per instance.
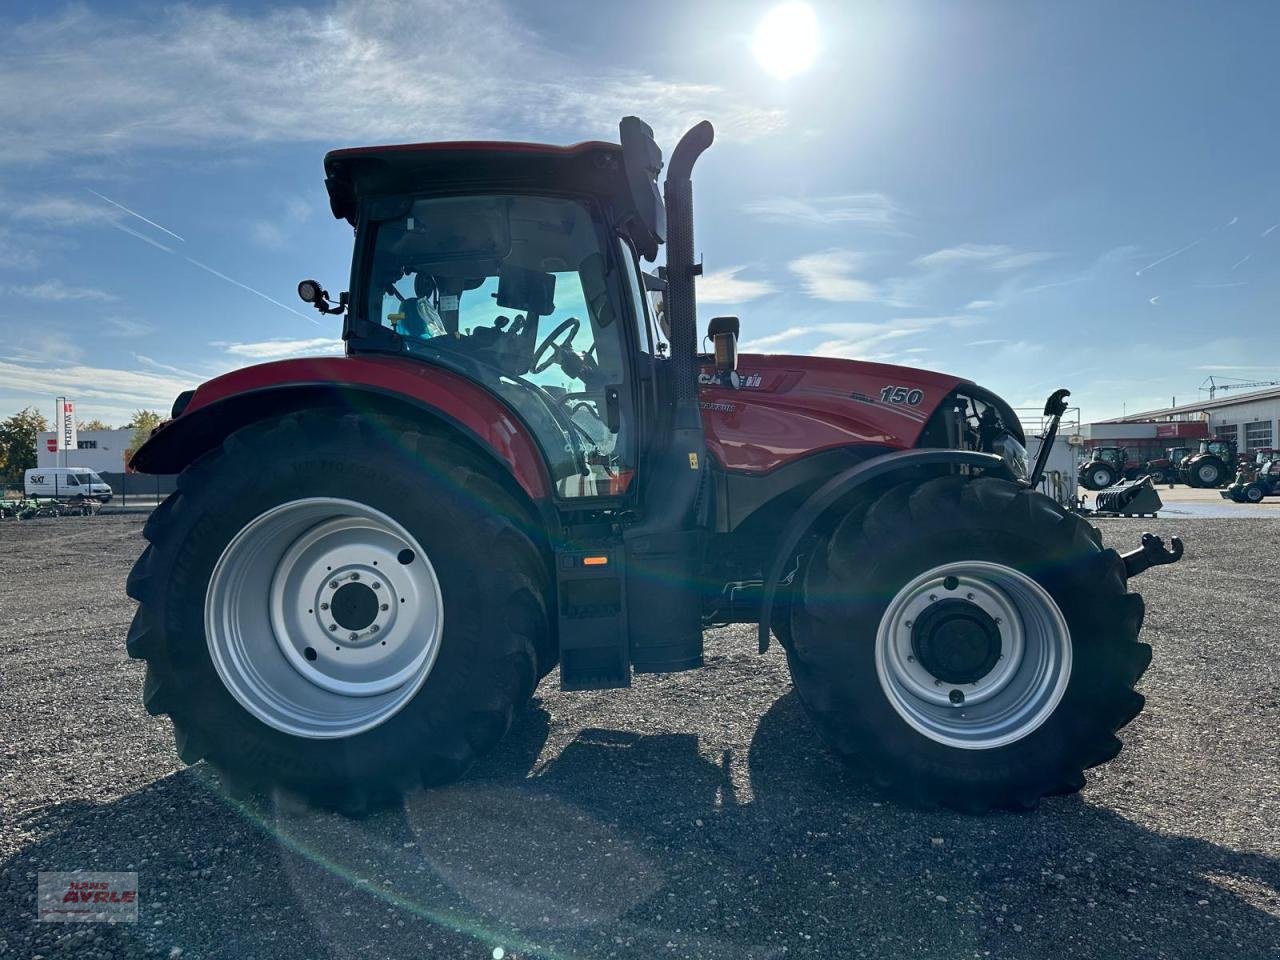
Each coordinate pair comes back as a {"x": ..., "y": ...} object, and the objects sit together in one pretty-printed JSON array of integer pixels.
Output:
[{"x": 1029, "y": 195}]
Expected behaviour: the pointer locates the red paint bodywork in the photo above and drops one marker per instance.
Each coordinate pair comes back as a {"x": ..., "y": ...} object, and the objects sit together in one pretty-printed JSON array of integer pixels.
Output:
[
  {"x": 789, "y": 407},
  {"x": 465, "y": 402}
]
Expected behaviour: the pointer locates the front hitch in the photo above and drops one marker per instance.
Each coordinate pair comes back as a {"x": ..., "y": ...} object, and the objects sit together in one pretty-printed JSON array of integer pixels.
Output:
[{"x": 1152, "y": 553}]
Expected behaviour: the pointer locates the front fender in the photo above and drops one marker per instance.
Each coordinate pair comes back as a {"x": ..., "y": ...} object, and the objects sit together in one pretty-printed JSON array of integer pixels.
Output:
[{"x": 846, "y": 482}]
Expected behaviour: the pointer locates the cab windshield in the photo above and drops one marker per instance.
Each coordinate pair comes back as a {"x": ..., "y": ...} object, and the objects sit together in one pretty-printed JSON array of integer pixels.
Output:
[{"x": 513, "y": 291}]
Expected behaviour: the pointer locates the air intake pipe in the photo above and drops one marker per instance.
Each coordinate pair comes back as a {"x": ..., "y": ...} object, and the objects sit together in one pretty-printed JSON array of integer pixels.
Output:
[{"x": 681, "y": 299}]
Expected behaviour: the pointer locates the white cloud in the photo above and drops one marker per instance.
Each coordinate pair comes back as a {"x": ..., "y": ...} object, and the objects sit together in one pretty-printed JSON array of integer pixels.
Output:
[
  {"x": 979, "y": 304},
  {"x": 126, "y": 327},
  {"x": 57, "y": 291},
  {"x": 830, "y": 276},
  {"x": 281, "y": 349},
  {"x": 852, "y": 340},
  {"x": 989, "y": 256},
  {"x": 724, "y": 286},
  {"x": 58, "y": 211},
  {"x": 16, "y": 251},
  {"x": 104, "y": 388},
  {"x": 351, "y": 71},
  {"x": 875, "y": 209}
]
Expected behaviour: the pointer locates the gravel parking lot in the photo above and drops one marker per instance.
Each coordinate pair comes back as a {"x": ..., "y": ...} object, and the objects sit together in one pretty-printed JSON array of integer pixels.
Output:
[{"x": 692, "y": 816}]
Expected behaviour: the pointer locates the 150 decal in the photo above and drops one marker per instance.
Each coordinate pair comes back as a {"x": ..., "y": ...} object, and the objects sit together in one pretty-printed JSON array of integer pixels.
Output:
[{"x": 911, "y": 396}]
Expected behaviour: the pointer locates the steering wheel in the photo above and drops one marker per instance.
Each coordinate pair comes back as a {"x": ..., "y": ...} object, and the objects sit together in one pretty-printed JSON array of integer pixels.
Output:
[{"x": 573, "y": 324}]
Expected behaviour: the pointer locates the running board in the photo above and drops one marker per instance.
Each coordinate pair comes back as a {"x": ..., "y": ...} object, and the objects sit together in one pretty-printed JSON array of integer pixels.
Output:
[{"x": 592, "y": 613}]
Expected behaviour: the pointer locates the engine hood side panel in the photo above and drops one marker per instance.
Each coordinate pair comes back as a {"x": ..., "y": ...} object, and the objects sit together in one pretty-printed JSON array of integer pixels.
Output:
[{"x": 788, "y": 407}]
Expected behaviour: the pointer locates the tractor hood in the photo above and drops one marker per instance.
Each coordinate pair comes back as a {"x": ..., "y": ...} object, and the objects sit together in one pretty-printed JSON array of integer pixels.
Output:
[{"x": 788, "y": 407}]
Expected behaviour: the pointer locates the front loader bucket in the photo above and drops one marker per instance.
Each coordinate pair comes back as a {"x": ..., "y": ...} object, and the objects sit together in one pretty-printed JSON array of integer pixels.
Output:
[{"x": 1135, "y": 498}]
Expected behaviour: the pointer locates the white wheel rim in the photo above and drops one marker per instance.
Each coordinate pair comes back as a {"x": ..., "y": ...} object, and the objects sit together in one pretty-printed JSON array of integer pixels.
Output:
[
  {"x": 1102, "y": 478},
  {"x": 323, "y": 617},
  {"x": 1208, "y": 473},
  {"x": 1018, "y": 693}
]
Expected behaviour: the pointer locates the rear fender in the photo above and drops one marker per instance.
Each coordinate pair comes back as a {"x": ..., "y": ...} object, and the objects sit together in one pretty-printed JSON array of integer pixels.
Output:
[
  {"x": 848, "y": 482},
  {"x": 514, "y": 454}
]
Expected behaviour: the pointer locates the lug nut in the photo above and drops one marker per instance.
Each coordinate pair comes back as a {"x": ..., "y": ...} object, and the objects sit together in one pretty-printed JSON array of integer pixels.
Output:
[
  {"x": 375, "y": 628},
  {"x": 385, "y": 607},
  {"x": 332, "y": 627},
  {"x": 933, "y": 597},
  {"x": 355, "y": 576},
  {"x": 333, "y": 584},
  {"x": 324, "y": 606}
]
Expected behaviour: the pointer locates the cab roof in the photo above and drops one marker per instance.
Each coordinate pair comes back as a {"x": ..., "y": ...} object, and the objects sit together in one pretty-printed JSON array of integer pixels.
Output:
[{"x": 354, "y": 173}]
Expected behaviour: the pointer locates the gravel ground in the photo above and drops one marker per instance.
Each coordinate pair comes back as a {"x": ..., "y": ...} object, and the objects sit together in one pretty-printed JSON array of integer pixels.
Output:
[{"x": 692, "y": 816}]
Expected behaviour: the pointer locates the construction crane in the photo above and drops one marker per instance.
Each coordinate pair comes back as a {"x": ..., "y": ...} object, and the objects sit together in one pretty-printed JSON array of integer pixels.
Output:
[{"x": 1214, "y": 385}]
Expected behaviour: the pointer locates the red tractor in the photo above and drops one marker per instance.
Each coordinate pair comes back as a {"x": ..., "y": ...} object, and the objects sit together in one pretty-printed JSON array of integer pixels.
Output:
[
  {"x": 1210, "y": 466},
  {"x": 1104, "y": 466},
  {"x": 1165, "y": 469},
  {"x": 371, "y": 561}
]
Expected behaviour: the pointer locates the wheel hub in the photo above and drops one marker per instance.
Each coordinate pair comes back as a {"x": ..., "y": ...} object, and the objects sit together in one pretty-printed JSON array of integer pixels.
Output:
[
  {"x": 352, "y": 605},
  {"x": 956, "y": 641}
]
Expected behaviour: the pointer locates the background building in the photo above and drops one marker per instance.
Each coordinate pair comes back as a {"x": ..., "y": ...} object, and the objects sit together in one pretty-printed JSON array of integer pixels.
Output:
[
  {"x": 1252, "y": 420},
  {"x": 100, "y": 450}
]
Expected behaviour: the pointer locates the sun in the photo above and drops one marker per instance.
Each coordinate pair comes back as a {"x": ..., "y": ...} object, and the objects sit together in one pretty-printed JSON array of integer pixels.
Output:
[{"x": 786, "y": 40}]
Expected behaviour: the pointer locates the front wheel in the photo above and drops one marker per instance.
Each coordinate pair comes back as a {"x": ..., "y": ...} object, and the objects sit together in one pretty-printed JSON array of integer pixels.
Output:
[
  {"x": 1254, "y": 493},
  {"x": 968, "y": 643},
  {"x": 1099, "y": 477}
]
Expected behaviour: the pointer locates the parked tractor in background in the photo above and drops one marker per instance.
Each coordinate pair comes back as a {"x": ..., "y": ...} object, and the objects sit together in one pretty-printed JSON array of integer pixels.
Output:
[
  {"x": 1165, "y": 469},
  {"x": 1253, "y": 484},
  {"x": 1211, "y": 465},
  {"x": 372, "y": 560},
  {"x": 1105, "y": 466}
]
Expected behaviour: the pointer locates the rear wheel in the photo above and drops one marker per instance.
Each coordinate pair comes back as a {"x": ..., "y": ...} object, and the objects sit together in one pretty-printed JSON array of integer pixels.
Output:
[
  {"x": 339, "y": 606},
  {"x": 1254, "y": 493},
  {"x": 968, "y": 643}
]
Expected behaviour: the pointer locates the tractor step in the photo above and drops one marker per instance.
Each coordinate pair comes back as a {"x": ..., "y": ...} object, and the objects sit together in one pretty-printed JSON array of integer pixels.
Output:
[{"x": 592, "y": 613}]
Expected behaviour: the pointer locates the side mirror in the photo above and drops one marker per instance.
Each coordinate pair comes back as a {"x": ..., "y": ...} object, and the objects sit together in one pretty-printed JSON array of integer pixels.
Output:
[{"x": 723, "y": 332}]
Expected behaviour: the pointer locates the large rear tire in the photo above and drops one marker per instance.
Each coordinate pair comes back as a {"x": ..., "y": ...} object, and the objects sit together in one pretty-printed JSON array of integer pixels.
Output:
[
  {"x": 967, "y": 643},
  {"x": 405, "y": 672}
]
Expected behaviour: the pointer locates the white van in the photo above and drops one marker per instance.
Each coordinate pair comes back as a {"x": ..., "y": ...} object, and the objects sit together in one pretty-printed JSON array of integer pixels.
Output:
[{"x": 64, "y": 483}]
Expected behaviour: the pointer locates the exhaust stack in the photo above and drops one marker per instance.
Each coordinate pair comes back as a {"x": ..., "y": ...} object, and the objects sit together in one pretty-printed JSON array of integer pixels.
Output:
[{"x": 681, "y": 299}]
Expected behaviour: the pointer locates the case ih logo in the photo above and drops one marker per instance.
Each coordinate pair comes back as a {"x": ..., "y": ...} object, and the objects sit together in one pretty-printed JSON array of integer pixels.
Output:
[
  {"x": 88, "y": 897},
  {"x": 749, "y": 381}
]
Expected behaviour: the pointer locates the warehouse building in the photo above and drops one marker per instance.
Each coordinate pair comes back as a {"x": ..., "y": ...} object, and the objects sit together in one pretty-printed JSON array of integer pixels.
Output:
[
  {"x": 102, "y": 451},
  {"x": 1252, "y": 420}
]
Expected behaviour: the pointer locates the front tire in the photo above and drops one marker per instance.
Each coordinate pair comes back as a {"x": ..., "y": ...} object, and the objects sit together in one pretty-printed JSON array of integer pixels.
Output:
[
  {"x": 967, "y": 643},
  {"x": 281, "y": 679},
  {"x": 1099, "y": 477}
]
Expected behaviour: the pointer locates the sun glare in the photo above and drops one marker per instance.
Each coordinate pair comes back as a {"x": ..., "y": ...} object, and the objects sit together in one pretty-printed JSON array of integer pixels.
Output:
[{"x": 786, "y": 40}]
